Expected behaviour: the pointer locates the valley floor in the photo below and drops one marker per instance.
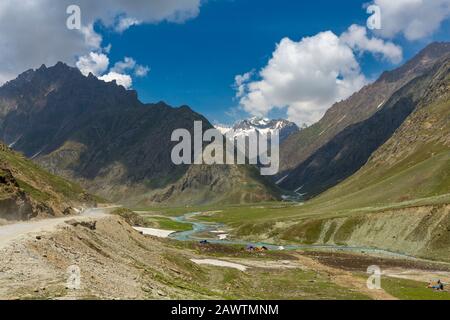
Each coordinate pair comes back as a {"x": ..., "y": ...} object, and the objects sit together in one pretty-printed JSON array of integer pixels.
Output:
[
  {"x": 417, "y": 228},
  {"x": 118, "y": 262}
]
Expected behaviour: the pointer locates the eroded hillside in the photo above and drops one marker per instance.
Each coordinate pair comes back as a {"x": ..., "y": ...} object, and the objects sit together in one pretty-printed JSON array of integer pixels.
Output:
[{"x": 27, "y": 191}]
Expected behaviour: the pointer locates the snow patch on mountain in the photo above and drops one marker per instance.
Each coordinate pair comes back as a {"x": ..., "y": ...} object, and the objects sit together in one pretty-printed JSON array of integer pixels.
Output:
[{"x": 262, "y": 126}]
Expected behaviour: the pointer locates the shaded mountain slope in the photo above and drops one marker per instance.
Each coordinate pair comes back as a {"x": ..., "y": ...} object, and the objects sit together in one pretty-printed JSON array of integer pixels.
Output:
[{"x": 413, "y": 164}]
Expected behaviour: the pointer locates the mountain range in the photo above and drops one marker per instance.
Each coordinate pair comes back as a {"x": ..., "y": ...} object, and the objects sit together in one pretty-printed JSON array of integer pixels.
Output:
[{"x": 100, "y": 135}]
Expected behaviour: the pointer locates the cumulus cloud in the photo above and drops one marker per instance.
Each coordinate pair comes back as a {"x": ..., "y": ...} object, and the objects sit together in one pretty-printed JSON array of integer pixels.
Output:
[
  {"x": 307, "y": 77},
  {"x": 415, "y": 19},
  {"x": 125, "y": 65},
  {"x": 240, "y": 83},
  {"x": 129, "y": 65},
  {"x": 34, "y": 31},
  {"x": 356, "y": 37},
  {"x": 126, "y": 23},
  {"x": 95, "y": 63},
  {"x": 121, "y": 79}
]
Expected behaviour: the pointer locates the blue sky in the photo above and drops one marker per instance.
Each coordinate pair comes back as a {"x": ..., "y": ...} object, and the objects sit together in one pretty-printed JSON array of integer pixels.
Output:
[
  {"x": 195, "y": 62},
  {"x": 196, "y": 48}
]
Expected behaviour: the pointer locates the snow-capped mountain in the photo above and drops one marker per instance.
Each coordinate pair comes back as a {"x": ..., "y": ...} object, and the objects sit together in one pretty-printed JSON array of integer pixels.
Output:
[{"x": 261, "y": 125}]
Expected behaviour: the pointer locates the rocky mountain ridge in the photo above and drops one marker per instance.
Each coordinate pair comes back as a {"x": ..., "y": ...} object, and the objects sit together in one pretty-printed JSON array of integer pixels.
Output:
[{"x": 96, "y": 133}]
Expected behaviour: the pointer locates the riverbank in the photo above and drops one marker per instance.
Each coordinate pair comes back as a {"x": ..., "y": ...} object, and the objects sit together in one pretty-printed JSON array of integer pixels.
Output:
[
  {"x": 418, "y": 228},
  {"x": 211, "y": 232}
]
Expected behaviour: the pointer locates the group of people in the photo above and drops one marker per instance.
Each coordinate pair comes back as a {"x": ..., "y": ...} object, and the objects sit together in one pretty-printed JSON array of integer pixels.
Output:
[
  {"x": 252, "y": 248},
  {"x": 439, "y": 286},
  {"x": 249, "y": 248}
]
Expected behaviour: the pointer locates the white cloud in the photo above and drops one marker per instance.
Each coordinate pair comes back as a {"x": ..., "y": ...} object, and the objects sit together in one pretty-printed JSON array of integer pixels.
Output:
[
  {"x": 356, "y": 38},
  {"x": 126, "y": 12},
  {"x": 121, "y": 79},
  {"x": 125, "y": 65},
  {"x": 107, "y": 49},
  {"x": 95, "y": 63},
  {"x": 34, "y": 32},
  {"x": 240, "y": 83},
  {"x": 307, "y": 77},
  {"x": 91, "y": 38},
  {"x": 129, "y": 64},
  {"x": 415, "y": 19},
  {"x": 141, "y": 71},
  {"x": 126, "y": 23}
]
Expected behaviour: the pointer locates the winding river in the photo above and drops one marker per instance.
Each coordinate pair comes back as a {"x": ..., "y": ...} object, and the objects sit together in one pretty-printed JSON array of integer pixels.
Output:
[{"x": 200, "y": 229}]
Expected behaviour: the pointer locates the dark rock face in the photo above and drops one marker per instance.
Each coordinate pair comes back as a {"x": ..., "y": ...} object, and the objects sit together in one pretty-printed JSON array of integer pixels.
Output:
[
  {"x": 78, "y": 127},
  {"x": 326, "y": 153}
]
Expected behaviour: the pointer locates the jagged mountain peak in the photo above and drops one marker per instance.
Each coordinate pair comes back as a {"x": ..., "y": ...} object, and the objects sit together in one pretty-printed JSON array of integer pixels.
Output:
[
  {"x": 47, "y": 87},
  {"x": 262, "y": 125},
  {"x": 258, "y": 121},
  {"x": 58, "y": 75}
]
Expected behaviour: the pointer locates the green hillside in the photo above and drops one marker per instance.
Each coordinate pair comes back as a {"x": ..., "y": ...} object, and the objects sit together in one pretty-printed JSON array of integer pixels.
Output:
[{"x": 27, "y": 191}]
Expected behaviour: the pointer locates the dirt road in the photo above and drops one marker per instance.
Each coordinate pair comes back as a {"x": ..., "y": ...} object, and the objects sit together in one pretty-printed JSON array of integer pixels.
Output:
[{"x": 11, "y": 232}]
